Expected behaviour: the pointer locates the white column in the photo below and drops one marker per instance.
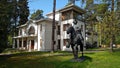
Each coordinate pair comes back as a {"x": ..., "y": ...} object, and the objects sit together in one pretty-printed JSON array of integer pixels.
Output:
[
  {"x": 38, "y": 38},
  {"x": 43, "y": 37},
  {"x": 22, "y": 43},
  {"x": 35, "y": 46},
  {"x": 30, "y": 46},
  {"x": 27, "y": 44},
  {"x": 61, "y": 35},
  {"x": 17, "y": 43},
  {"x": 13, "y": 43}
]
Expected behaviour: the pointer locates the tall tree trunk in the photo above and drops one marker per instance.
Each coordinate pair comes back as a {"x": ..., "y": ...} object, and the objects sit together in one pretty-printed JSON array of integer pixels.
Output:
[
  {"x": 112, "y": 37},
  {"x": 112, "y": 9},
  {"x": 15, "y": 16},
  {"x": 53, "y": 25}
]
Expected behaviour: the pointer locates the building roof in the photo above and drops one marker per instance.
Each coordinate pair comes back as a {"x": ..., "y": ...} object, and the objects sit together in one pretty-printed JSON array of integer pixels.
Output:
[
  {"x": 45, "y": 19},
  {"x": 72, "y": 7},
  {"x": 69, "y": 7},
  {"x": 35, "y": 21},
  {"x": 57, "y": 11}
]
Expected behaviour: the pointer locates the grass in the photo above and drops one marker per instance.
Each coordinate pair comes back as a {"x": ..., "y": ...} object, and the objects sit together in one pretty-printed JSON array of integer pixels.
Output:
[{"x": 102, "y": 59}]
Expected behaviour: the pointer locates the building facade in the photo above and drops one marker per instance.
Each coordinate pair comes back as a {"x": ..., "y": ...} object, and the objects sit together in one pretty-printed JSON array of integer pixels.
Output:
[{"x": 36, "y": 35}]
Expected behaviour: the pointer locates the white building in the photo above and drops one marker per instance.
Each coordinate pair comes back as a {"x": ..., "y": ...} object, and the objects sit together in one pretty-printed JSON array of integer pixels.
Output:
[{"x": 36, "y": 35}]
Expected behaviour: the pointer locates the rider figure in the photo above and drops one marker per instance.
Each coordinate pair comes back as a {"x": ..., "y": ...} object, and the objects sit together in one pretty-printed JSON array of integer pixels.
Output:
[{"x": 77, "y": 29}]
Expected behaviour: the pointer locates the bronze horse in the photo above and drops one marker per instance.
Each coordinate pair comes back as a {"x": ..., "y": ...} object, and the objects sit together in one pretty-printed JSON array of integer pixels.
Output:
[{"x": 75, "y": 41}]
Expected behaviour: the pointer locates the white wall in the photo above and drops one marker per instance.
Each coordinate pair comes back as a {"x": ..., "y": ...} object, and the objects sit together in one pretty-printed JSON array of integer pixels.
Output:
[
  {"x": 38, "y": 38},
  {"x": 57, "y": 16},
  {"x": 48, "y": 36}
]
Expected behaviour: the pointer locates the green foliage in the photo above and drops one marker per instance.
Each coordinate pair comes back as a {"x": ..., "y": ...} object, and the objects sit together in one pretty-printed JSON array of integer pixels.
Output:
[
  {"x": 108, "y": 25},
  {"x": 10, "y": 41},
  {"x": 37, "y": 14},
  {"x": 89, "y": 3},
  {"x": 24, "y": 11},
  {"x": 5, "y": 18},
  {"x": 117, "y": 40},
  {"x": 10, "y": 13},
  {"x": 101, "y": 8}
]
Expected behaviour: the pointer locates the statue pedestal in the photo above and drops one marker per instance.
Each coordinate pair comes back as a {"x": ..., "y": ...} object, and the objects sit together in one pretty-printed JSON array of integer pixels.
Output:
[{"x": 80, "y": 59}]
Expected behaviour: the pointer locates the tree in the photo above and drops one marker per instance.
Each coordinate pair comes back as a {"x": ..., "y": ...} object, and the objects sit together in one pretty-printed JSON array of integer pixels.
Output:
[
  {"x": 110, "y": 19},
  {"x": 9, "y": 16},
  {"x": 90, "y": 19},
  {"x": 37, "y": 15},
  {"x": 53, "y": 25},
  {"x": 23, "y": 11},
  {"x": 5, "y": 18},
  {"x": 15, "y": 16}
]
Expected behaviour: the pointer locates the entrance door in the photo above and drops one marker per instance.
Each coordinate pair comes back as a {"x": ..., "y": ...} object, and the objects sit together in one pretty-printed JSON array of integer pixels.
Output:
[
  {"x": 32, "y": 44},
  {"x": 25, "y": 44}
]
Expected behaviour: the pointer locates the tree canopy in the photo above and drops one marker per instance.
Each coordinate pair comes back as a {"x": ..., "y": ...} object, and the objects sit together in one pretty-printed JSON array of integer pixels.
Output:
[
  {"x": 37, "y": 15},
  {"x": 12, "y": 14}
]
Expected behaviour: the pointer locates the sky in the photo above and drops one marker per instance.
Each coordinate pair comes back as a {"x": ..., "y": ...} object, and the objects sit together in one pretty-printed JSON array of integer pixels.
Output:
[{"x": 45, "y": 5}]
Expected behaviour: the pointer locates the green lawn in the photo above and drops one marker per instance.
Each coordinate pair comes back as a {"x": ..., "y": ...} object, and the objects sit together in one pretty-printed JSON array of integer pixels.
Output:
[{"x": 48, "y": 60}]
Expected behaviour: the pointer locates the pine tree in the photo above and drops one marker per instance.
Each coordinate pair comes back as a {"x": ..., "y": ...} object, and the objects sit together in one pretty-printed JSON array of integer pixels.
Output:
[
  {"x": 37, "y": 15},
  {"x": 5, "y": 18},
  {"x": 23, "y": 11}
]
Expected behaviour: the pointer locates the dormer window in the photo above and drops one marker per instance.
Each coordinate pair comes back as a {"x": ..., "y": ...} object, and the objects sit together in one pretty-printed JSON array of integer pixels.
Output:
[
  {"x": 31, "y": 30},
  {"x": 66, "y": 15}
]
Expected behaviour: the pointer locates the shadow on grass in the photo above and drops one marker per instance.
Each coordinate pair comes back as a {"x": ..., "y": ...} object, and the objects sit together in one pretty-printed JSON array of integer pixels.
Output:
[
  {"x": 4, "y": 57},
  {"x": 70, "y": 64},
  {"x": 87, "y": 58}
]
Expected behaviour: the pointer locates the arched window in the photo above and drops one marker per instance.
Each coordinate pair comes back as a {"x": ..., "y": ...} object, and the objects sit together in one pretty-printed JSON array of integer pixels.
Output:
[{"x": 31, "y": 30}]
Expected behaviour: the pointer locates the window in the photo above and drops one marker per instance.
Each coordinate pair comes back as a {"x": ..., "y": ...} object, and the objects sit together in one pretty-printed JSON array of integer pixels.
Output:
[
  {"x": 81, "y": 27},
  {"x": 65, "y": 42},
  {"x": 66, "y": 15},
  {"x": 31, "y": 30},
  {"x": 58, "y": 32},
  {"x": 65, "y": 26}
]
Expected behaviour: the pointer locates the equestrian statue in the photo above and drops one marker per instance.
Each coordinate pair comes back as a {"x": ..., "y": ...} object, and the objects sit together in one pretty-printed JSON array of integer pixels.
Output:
[{"x": 76, "y": 39}]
